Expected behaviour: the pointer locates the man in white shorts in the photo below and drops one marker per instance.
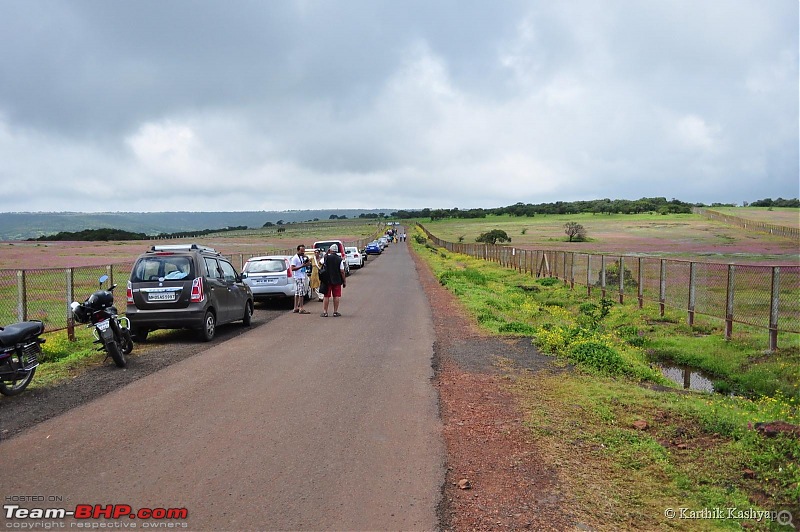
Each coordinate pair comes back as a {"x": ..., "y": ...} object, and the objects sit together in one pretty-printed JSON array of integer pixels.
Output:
[{"x": 298, "y": 267}]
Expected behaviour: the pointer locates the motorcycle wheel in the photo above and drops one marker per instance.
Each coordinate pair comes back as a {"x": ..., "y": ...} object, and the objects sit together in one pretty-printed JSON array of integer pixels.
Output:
[
  {"x": 115, "y": 353},
  {"x": 127, "y": 342},
  {"x": 14, "y": 387}
]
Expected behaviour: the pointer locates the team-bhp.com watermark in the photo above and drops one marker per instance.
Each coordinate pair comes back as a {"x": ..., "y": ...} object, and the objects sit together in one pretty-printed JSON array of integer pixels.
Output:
[
  {"x": 783, "y": 517},
  {"x": 93, "y": 516}
]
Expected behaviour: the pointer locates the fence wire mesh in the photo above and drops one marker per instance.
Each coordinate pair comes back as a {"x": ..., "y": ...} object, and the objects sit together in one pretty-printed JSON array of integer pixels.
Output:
[
  {"x": 696, "y": 287},
  {"x": 43, "y": 294}
]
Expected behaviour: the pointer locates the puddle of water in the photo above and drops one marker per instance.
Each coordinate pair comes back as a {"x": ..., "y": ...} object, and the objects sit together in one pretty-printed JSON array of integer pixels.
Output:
[{"x": 689, "y": 378}]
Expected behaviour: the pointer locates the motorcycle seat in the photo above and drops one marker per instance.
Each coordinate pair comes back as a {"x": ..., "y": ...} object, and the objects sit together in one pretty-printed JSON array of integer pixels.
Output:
[{"x": 19, "y": 332}]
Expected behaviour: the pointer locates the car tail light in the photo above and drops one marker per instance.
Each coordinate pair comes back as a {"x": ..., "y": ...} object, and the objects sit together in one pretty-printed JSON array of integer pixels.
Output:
[
  {"x": 288, "y": 270},
  {"x": 130, "y": 294},
  {"x": 197, "y": 291}
]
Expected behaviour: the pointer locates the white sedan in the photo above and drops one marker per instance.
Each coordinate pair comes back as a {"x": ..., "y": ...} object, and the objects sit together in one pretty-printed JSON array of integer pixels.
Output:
[{"x": 355, "y": 259}]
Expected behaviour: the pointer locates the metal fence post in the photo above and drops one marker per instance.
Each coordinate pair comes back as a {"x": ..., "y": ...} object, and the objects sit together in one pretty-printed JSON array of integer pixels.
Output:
[
  {"x": 621, "y": 280},
  {"x": 70, "y": 318},
  {"x": 603, "y": 276},
  {"x": 640, "y": 291},
  {"x": 22, "y": 297},
  {"x": 773, "y": 309},
  {"x": 564, "y": 258},
  {"x": 110, "y": 273},
  {"x": 692, "y": 292},
  {"x": 588, "y": 274},
  {"x": 662, "y": 286},
  {"x": 729, "y": 303},
  {"x": 572, "y": 271}
]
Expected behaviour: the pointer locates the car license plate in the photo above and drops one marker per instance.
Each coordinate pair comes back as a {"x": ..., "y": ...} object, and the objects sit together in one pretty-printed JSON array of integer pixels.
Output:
[
  {"x": 102, "y": 325},
  {"x": 267, "y": 281},
  {"x": 161, "y": 296}
]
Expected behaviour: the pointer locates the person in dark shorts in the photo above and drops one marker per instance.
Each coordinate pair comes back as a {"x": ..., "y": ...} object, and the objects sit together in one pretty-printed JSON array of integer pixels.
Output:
[{"x": 334, "y": 266}]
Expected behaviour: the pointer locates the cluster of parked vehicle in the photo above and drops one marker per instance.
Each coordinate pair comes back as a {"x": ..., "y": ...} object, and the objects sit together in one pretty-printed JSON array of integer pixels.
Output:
[
  {"x": 377, "y": 246},
  {"x": 185, "y": 286}
]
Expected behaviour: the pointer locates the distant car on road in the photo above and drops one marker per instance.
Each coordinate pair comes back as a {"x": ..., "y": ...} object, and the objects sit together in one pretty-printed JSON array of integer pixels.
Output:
[
  {"x": 269, "y": 277},
  {"x": 354, "y": 257},
  {"x": 373, "y": 248}
]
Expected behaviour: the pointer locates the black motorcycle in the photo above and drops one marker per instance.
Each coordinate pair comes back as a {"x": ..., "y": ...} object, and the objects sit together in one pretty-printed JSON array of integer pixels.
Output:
[
  {"x": 110, "y": 331},
  {"x": 20, "y": 350}
]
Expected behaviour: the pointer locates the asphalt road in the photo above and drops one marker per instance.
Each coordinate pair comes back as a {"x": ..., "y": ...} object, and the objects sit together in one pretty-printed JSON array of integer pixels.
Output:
[{"x": 302, "y": 423}]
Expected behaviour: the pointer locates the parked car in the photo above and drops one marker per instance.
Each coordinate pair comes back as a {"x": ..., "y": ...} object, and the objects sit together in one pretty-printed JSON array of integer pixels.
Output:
[
  {"x": 269, "y": 277},
  {"x": 354, "y": 257},
  {"x": 324, "y": 245},
  {"x": 384, "y": 242},
  {"x": 185, "y": 286},
  {"x": 373, "y": 248}
]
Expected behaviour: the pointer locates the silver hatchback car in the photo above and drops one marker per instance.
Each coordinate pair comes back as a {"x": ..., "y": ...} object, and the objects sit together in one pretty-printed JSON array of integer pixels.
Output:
[{"x": 269, "y": 277}]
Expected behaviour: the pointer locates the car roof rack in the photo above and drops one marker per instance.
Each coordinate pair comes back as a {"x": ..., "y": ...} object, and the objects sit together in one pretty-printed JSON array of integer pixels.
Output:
[{"x": 183, "y": 247}]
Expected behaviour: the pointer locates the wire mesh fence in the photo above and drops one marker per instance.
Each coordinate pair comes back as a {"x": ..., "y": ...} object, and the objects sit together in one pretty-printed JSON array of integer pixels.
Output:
[
  {"x": 762, "y": 296},
  {"x": 45, "y": 294}
]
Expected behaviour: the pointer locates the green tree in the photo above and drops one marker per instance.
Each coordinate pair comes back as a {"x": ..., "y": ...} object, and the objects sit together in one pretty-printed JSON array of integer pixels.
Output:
[{"x": 494, "y": 236}]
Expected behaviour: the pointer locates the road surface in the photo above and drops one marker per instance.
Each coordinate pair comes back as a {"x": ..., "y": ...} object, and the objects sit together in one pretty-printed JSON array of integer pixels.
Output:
[{"x": 302, "y": 423}]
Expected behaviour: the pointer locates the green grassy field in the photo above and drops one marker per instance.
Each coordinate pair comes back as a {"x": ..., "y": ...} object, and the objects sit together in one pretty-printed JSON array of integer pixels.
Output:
[{"x": 697, "y": 450}]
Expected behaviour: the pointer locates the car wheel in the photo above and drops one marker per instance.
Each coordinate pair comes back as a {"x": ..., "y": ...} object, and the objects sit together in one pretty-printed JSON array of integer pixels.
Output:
[
  {"x": 139, "y": 334},
  {"x": 248, "y": 314},
  {"x": 209, "y": 327}
]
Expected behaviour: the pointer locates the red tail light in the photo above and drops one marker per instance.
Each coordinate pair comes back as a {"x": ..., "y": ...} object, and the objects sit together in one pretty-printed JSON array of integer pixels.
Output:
[
  {"x": 130, "y": 294},
  {"x": 197, "y": 291},
  {"x": 288, "y": 270}
]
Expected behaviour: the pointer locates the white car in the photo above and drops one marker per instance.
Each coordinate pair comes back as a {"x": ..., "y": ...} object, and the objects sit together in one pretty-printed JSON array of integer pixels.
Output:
[
  {"x": 354, "y": 257},
  {"x": 269, "y": 277}
]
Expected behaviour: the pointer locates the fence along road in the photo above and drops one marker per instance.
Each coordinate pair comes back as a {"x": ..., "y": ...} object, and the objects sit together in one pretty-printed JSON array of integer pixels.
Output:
[
  {"x": 303, "y": 423},
  {"x": 761, "y": 296}
]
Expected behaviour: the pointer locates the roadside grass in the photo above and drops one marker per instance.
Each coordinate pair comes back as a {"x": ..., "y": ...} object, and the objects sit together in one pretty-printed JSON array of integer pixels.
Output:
[
  {"x": 699, "y": 450},
  {"x": 63, "y": 359},
  {"x": 696, "y": 452}
]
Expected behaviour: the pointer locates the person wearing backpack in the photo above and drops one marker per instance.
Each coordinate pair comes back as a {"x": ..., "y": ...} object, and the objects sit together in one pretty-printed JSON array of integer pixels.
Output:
[{"x": 334, "y": 278}]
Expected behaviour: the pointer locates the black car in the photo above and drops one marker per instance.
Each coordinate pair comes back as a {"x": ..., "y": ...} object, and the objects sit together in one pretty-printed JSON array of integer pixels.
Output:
[{"x": 185, "y": 286}]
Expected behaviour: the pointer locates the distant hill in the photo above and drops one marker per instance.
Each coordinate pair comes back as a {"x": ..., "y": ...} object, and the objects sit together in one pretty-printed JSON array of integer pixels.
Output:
[{"x": 24, "y": 225}]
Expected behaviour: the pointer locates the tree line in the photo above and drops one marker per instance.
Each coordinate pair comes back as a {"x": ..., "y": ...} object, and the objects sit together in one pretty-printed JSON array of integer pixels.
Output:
[
  {"x": 107, "y": 234},
  {"x": 658, "y": 205},
  {"x": 599, "y": 206}
]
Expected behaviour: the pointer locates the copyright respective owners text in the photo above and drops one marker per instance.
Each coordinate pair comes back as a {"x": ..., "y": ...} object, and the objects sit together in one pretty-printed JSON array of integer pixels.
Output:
[
  {"x": 47, "y": 512},
  {"x": 781, "y": 517}
]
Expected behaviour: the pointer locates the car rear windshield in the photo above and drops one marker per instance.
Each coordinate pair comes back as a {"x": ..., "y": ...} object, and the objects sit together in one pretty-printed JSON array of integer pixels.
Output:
[
  {"x": 169, "y": 267},
  {"x": 265, "y": 266}
]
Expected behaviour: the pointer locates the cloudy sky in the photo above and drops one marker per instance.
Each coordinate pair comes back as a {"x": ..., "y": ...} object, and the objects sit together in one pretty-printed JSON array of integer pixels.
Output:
[{"x": 277, "y": 105}]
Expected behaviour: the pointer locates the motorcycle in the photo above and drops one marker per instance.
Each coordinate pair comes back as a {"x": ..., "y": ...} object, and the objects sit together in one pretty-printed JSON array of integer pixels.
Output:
[
  {"x": 20, "y": 350},
  {"x": 109, "y": 329}
]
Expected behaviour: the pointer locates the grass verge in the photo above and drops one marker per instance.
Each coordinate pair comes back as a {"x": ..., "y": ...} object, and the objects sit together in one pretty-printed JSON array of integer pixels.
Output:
[{"x": 688, "y": 450}]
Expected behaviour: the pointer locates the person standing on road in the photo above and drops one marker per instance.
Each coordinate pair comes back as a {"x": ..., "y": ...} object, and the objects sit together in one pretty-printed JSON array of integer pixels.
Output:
[
  {"x": 298, "y": 265},
  {"x": 337, "y": 280},
  {"x": 314, "y": 282}
]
